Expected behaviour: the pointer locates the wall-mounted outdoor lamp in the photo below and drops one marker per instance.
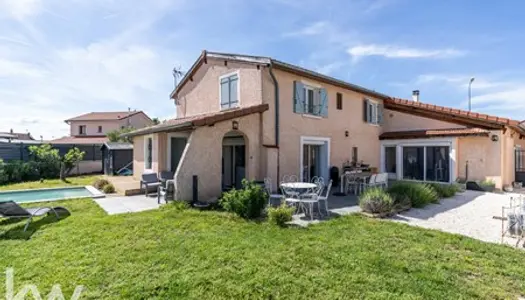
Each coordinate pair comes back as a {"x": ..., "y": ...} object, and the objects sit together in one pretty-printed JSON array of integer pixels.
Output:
[
  {"x": 346, "y": 133},
  {"x": 235, "y": 125},
  {"x": 494, "y": 138}
]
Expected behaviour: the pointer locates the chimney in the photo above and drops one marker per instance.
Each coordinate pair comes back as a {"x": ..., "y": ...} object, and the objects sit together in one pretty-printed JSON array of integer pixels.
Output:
[
  {"x": 415, "y": 95},
  {"x": 11, "y": 131}
]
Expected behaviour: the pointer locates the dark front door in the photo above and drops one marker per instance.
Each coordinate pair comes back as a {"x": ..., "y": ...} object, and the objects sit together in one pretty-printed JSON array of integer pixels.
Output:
[
  {"x": 519, "y": 165},
  {"x": 177, "y": 147}
]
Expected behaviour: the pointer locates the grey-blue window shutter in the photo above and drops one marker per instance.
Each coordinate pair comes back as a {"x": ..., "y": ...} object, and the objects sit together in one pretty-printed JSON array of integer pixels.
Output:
[
  {"x": 365, "y": 111},
  {"x": 380, "y": 110},
  {"x": 324, "y": 103},
  {"x": 298, "y": 97}
]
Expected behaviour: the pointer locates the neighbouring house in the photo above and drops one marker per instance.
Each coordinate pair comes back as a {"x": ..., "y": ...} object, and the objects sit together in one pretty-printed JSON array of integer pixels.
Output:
[
  {"x": 241, "y": 116},
  {"x": 16, "y": 137},
  {"x": 88, "y": 132}
]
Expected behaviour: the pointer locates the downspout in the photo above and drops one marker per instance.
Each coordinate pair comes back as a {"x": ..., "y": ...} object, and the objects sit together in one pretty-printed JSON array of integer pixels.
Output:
[{"x": 276, "y": 90}]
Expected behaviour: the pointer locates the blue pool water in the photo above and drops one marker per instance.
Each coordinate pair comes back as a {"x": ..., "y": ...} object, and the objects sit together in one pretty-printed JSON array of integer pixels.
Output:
[{"x": 45, "y": 194}]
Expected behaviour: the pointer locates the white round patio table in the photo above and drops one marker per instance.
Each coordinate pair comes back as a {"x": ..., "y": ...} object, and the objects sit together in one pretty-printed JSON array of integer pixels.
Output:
[{"x": 299, "y": 185}]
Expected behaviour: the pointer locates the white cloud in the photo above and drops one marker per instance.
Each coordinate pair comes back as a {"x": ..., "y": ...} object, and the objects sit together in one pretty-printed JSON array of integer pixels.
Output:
[
  {"x": 44, "y": 80},
  {"x": 316, "y": 28},
  {"x": 20, "y": 9},
  {"x": 393, "y": 51}
]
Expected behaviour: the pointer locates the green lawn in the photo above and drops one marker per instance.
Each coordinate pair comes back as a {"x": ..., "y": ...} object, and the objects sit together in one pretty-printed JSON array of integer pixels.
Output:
[
  {"x": 177, "y": 254},
  {"x": 51, "y": 183}
]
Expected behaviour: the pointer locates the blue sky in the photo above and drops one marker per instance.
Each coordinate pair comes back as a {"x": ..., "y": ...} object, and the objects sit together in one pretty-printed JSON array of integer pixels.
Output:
[{"x": 59, "y": 59}]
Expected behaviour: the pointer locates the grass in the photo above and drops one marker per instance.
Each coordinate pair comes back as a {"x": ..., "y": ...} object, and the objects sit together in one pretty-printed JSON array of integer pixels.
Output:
[
  {"x": 51, "y": 183},
  {"x": 187, "y": 254}
]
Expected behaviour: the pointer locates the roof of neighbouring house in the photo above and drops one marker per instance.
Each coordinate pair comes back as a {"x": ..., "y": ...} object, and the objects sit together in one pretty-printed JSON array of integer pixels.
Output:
[
  {"x": 17, "y": 135},
  {"x": 262, "y": 60},
  {"x": 85, "y": 140},
  {"x": 414, "y": 134},
  {"x": 17, "y": 141},
  {"x": 117, "y": 146},
  {"x": 106, "y": 116},
  {"x": 453, "y": 115},
  {"x": 208, "y": 119}
]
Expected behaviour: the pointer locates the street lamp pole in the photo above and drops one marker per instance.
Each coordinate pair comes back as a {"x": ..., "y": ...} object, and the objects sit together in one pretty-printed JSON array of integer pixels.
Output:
[{"x": 470, "y": 93}]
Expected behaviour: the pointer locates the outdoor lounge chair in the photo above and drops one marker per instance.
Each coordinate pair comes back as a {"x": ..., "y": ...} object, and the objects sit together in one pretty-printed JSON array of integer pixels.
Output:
[
  {"x": 149, "y": 181},
  {"x": 12, "y": 210}
]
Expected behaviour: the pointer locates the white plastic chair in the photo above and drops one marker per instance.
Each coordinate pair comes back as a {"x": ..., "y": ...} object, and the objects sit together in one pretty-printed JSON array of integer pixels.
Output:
[
  {"x": 371, "y": 182},
  {"x": 269, "y": 189}
]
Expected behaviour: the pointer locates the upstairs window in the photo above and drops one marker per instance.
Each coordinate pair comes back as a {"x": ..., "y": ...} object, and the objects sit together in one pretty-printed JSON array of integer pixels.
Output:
[
  {"x": 99, "y": 129},
  {"x": 372, "y": 112},
  {"x": 82, "y": 129},
  {"x": 310, "y": 100},
  {"x": 339, "y": 100},
  {"x": 229, "y": 91}
]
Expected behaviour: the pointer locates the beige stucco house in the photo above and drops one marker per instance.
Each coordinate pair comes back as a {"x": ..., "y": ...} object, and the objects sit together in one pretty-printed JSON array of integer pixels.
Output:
[
  {"x": 241, "y": 116},
  {"x": 92, "y": 128}
]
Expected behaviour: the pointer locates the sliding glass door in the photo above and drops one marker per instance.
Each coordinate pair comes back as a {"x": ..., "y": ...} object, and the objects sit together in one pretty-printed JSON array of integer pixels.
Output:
[
  {"x": 413, "y": 163},
  {"x": 438, "y": 164},
  {"x": 426, "y": 163}
]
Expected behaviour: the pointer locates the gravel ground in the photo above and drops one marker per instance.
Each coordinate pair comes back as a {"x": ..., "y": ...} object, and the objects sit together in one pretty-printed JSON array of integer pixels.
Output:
[{"x": 469, "y": 213}]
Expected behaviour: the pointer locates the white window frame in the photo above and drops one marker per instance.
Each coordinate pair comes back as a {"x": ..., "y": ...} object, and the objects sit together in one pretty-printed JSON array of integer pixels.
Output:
[
  {"x": 146, "y": 152},
  {"x": 82, "y": 132},
  {"x": 372, "y": 110},
  {"x": 238, "y": 89},
  {"x": 316, "y": 101},
  {"x": 99, "y": 129},
  {"x": 313, "y": 140},
  {"x": 400, "y": 144}
]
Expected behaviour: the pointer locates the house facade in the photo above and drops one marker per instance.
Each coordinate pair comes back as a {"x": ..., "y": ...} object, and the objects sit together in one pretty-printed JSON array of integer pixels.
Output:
[{"x": 242, "y": 116}]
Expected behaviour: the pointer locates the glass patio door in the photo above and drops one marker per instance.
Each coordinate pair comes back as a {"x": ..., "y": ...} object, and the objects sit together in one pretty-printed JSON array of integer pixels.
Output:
[{"x": 311, "y": 162}]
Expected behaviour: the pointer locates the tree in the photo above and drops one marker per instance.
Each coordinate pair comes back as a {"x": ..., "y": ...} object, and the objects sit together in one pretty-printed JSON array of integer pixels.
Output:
[
  {"x": 156, "y": 121},
  {"x": 51, "y": 164},
  {"x": 114, "y": 136},
  {"x": 69, "y": 161}
]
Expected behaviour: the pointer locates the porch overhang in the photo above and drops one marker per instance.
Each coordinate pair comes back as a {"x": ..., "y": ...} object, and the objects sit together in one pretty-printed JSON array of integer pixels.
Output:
[
  {"x": 433, "y": 133},
  {"x": 189, "y": 123}
]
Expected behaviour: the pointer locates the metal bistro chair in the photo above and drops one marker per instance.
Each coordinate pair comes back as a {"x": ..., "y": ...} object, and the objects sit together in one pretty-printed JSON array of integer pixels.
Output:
[
  {"x": 269, "y": 189},
  {"x": 319, "y": 182},
  {"x": 291, "y": 197},
  {"x": 325, "y": 197}
]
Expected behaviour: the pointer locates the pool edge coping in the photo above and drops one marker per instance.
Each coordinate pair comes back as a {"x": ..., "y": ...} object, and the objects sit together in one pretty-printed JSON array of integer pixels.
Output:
[{"x": 95, "y": 194}]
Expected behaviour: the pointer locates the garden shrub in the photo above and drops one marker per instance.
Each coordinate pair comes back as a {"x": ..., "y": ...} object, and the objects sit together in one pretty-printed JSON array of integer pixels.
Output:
[
  {"x": 247, "y": 202},
  {"x": 280, "y": 215},
  {"x": 376, "y": 200},
  {"x": 3, "y": 175},
  {"x": 445, "y": 190},
  {"x": 420, "y": 194},
  {"x": 108, "y": 189},
  {"x": 100, "y": 183},
  {"x": 47, "y": 159}
]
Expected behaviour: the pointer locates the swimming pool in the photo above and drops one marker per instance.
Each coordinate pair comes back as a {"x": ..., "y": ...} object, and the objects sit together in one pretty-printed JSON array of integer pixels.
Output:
[{"x": 53, "y": 194}]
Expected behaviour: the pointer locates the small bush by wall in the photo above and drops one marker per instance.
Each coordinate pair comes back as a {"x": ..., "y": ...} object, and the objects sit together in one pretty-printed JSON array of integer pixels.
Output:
[
  {"x": 376, "y": 201},
  {"x": 247, "y": 203},
  {"x": 445, "y": 190},
  {"x": 420, "y": 194},
  {"x": 280, "y": 215},
  {"x": 100, "y": 183},
  {"x": 108, "y": 189}
]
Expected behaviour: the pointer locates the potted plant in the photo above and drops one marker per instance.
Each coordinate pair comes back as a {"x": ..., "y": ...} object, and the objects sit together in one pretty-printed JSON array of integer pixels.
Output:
[{"x": 488, "y": 185}]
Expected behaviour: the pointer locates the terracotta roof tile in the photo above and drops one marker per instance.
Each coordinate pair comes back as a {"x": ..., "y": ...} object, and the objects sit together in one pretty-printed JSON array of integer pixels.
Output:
[
  {"x": 106, "y": 115},
  {"x": 414, "y": 134},
  {"x": 200, "y": 120}
]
